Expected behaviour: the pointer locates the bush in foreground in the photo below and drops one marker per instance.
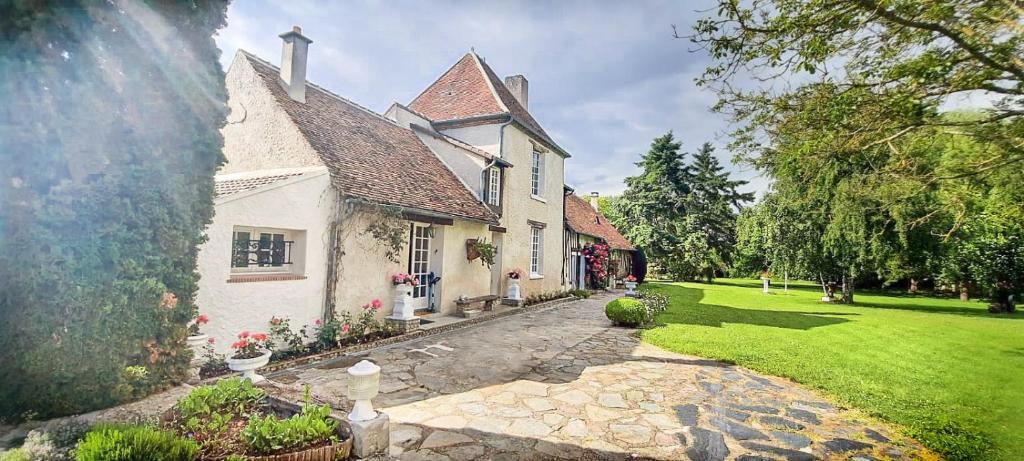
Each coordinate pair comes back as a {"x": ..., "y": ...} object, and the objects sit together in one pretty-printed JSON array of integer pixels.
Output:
[
  {"x": 135, "y": 443},
  {"x": 627, "y": 312}
]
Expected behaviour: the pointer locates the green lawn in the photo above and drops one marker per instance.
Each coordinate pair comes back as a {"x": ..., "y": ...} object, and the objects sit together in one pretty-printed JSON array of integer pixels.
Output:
[{"x": 947, "y": 372}]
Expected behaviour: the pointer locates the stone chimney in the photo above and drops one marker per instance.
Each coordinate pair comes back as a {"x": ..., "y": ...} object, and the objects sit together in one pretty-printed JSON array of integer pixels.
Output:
[
  {"x": 293, "y": 63},
  {"x": 520, "y": 88},
  {"x": 593, "y": 200}
]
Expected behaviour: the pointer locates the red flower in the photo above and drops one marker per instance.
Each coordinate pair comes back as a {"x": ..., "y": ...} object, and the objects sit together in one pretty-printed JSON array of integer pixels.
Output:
[
  {"x": 376, "y": 304},
  {"x": 317, "y": 322},
  {"x": 259, "y": 337},
  {"x": 244, "y": 334},
  {"x": 239, "y": 344},
  {"x": 202, "y": 319}
]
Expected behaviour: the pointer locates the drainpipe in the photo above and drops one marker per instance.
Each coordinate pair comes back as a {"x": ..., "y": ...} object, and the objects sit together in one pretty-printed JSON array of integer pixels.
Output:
[{"x": 501, "y": 149}]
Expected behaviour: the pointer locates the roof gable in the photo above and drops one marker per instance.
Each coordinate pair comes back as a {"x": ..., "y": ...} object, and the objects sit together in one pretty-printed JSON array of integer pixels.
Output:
[
  {"x": 371, "y": 158},
  {"x": 471, "y": 89},
  {"x": 584, "y": 219}
]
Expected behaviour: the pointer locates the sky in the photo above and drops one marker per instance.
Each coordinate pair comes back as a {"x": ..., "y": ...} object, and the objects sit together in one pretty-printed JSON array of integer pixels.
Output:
[{"x": 605, "y": 78}]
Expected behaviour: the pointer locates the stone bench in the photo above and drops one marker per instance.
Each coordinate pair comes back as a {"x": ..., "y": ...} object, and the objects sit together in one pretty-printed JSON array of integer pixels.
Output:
[{"x": 466, "y": 305}]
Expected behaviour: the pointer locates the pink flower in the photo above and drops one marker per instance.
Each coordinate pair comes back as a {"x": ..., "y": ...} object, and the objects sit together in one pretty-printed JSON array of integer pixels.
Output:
[
  {"x": 317, "y": 322},
  {"x": 344, "y": 328},
  {"x": 259, "y": 337},
  {"x": 376, "y": 304},
  {"x": 209, "y": 341},
  {"x": 244, "y": 334}
]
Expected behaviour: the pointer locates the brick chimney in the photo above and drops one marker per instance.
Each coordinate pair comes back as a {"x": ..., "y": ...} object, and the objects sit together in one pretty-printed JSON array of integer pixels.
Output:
[
  {"x": 294, "y": 50},
  {"x": 520, "y": 88},
  {"x": 593, "y": 200}
]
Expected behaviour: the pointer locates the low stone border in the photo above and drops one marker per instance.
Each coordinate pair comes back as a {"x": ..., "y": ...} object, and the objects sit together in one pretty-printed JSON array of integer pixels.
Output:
[{"x": 421, "y": 333}]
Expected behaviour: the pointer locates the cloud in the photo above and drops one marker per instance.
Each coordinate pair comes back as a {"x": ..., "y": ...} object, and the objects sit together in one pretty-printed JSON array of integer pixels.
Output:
[{"x": 605, "y": 77}]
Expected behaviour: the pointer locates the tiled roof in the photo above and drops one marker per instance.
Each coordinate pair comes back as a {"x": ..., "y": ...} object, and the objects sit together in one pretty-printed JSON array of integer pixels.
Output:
[
  {"x": 471, "y": 89},
  {"x": 584, "y": 219},
  {"x": 370, "y": 157},
  {"x": 233, "y": 186}
]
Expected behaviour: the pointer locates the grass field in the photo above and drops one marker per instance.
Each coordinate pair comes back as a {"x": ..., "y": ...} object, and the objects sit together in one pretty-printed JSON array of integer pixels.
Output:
[{"x": 947, "y": 372}]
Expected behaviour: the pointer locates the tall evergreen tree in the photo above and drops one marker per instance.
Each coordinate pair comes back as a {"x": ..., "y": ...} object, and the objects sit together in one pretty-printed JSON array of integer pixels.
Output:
[
  {"x": 109, "y": 140},
  {"x": 715, "y": 201}
]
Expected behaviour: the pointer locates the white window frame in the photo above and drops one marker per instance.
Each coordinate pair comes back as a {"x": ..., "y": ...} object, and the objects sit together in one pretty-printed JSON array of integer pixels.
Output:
[
  {"x": 536, "y": 252},
  {"x": 494, "y": 187},
  {"x": 254, "y": 233},
  {"x": 537, "y": 175}
]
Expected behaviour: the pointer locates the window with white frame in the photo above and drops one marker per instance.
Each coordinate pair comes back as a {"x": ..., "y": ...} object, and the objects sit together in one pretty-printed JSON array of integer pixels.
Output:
[
  {"x": 536, "y": 251},
  {"x": 494, "y": 186},
  {"x": 537, "y": 174},
  {"x": 256, "y": 249}
]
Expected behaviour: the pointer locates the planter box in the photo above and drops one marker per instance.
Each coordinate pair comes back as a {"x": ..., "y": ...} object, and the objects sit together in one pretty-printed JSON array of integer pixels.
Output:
[{"x": 340, "y": 450}]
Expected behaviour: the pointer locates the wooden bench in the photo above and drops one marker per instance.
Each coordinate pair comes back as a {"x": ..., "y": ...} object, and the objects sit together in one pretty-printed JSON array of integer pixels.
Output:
[{"x": 465, "y": 305}]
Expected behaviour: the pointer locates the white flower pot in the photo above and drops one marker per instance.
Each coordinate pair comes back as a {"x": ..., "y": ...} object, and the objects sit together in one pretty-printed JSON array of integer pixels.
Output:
[
  {"x": 196, "y": 343},
  {"x": 248, "y": 366},
  {"x": 630, "y": 288},
  {"x": 514, "y": 292},
  {"x": 404, "y": 310}
]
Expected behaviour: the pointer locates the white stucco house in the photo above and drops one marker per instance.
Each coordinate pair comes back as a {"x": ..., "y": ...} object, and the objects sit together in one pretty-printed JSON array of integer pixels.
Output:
[{"x": 309, "y": 173}]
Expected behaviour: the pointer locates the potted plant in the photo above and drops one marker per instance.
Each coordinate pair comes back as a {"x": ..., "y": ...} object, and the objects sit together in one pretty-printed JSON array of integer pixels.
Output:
[
  {"x": 479, "y": 248},
  {"x": 630, "y": 285},
  {"x": 514, "y": 292},
  {"x": 251, "y": 352},
  {"x": 404, "y": 283},
  {"x": 196, "y": 338}
]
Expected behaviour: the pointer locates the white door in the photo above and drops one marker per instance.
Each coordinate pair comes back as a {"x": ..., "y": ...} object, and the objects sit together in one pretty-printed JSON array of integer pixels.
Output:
[{"x": 419, "y": 263}]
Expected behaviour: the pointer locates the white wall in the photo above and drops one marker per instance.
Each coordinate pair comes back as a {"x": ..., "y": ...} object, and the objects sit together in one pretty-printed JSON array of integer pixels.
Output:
[
  {"x": 259, "y": 134},
  {"x": 304, "y": 203}
]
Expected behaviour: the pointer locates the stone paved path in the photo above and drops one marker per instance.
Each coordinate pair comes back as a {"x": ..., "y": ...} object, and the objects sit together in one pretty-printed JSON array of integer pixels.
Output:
[{"x": 564, "y": 383}]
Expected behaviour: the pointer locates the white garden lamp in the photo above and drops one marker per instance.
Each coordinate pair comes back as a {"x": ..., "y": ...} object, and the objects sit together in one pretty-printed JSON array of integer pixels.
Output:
[{"x": 363, "y": 385}]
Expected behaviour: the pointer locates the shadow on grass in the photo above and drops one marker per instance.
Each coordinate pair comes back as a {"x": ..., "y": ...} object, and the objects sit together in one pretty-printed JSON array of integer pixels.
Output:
[
  {"x": 898, "y": 297},
  {"x": 686, "y": 307}
]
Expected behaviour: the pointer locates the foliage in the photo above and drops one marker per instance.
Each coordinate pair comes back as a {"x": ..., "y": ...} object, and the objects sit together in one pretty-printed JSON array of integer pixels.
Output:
[
  {"x": 388, "y": 230},
  {"x": 485, "y": 251},
  {"x": 109, "y": 151},
  {"x": 232, "y": 395},
  {"x": 581, "y": 294},
  {"x": 213, "y": 363},
  {"x": 312, "y": 427},
  {"x": 135, "y": 443},
  {"x": 546, "y": 296},
  {"x": 656, "y": 303},
  {"x": 867, "y": 151},
  {"x": 281, "y": 334},
  {"x": 17, "y": 454},
  {"x": 684, "y": 216},
  {"x": 250, "y": 346},
  {"x": 345, "y": 329},
  {"x": 596, "y": 255},
  {"x": 640, "y": 265},
  {"x": 883, "y": 357},
  {"x": 628, "y": 312}
]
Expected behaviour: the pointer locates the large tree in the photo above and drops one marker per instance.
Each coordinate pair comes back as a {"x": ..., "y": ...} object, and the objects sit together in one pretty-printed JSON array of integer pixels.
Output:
[
  {"x": 844, "y": 103},
  {"x": 109, "y": 138},
  {"x": 714, "y": 202}
]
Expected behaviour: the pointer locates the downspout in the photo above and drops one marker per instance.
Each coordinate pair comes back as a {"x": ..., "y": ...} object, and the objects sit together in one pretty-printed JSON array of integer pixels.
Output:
[{"x": 501, "y": 150}]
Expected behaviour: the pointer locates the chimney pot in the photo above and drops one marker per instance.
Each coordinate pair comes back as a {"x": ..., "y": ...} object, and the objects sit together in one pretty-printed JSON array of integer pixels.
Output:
[
  {"x": 294, "y": 51},
  {"x": 520, "y": 89},
  {"x": 594, "y": 196}
]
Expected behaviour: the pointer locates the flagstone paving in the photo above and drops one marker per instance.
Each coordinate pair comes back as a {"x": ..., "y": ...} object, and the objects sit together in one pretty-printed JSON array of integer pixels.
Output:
[{"x": 565, "y": 383}]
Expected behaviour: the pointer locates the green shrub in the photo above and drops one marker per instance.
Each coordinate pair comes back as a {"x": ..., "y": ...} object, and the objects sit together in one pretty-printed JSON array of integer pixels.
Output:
[
  {"x": 112, "y": 187},
  {"x": 135, "y": 443},
  {"x": 17, "y": 454},
  {"x": 582, "y": 294},
  {"x": 627, "y": 312},
  {"x": 656, "y": 303},
  {"x": 233, "y": 396},
  {"x": 268, "y": 434}
]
